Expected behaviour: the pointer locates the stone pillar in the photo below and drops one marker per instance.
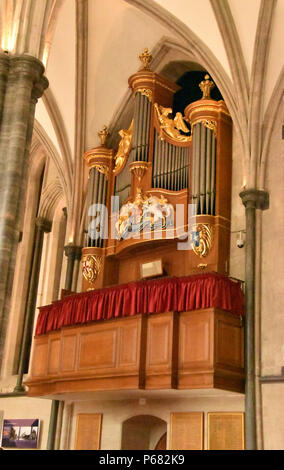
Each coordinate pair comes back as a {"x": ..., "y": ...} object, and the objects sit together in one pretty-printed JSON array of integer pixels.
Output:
[
  {"x": 252, "y": 199},
  {"x": 73, "y": 253},
  {"x": 42, "y": 226},
  {"x": 4, "y": 70},
  {"x": 66, "y": 426},
  {"x": 59, "y": 426},
  {"x": 76, "y": 269},
  {"x": 25, "y": 84},
  {"x": 52, "y": 424}
]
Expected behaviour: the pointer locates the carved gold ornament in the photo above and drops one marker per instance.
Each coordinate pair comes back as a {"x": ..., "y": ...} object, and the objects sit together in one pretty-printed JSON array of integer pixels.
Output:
[
  {"x": 146, "y": 59},
  {"x": 104, "y": 169},
  {"x": 123, "y": 148},
  {"x": 146, "y": 92},
  {"x": 145, "y": 212},
  {"x": 206, "y": 85},
  {"x": 210, "y": 124},
  {"x": 103, "y": 136},
  {"x": 171, "y": 127},
  {"x": 91, "y": 267},
  {"x": 138, "y": 169},
  {"x": 202, "y": 239}
]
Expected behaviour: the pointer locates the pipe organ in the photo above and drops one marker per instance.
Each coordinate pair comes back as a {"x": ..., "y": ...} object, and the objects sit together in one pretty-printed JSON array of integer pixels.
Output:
[{"x": 163, "y": 163}]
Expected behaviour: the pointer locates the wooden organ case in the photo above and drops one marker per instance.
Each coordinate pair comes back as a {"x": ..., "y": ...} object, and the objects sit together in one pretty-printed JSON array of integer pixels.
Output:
[
  {"x": 141, "y": 198},
  {"x": 159, "y": 173}
]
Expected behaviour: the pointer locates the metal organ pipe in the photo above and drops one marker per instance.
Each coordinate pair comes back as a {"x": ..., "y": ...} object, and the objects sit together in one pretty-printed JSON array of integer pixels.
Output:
[
  {"x": 165, "y": 160},
  {"x": 155, "y": 160},
  {"x": 197, "y": 166},
  {"x": 208, "y": 169},
  {"x": 90, "y": 194},
  {"x": 202, "y": 168},
  {"x": 170, "y": 165},
  {"x": 203, "y": 177},
  {"x": 213, "y": 174}
]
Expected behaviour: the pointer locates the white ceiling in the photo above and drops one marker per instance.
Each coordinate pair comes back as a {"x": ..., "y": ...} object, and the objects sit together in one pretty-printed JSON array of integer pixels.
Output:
[{"x": 117, "y": 33}]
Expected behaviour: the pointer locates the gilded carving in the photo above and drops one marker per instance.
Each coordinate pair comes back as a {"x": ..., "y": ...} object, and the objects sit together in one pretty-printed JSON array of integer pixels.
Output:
[
  {"x": 104, "y": 169},
  {"x": 103, "y": 134},
  {"x": 145, "y": 212},
  {"x": 123, "y": 148},
  {"x": 146, "y": 58},
  {"x": 171, "y": 127},
  {"x": 91, "y": 267},
  {"x": 146, "y": 92},
  {"x": 202, "y": 239},
  {"x": 139, "y": 169},
  {"x": 206, "y": 85},
  {"x": 210, "y": 124}
]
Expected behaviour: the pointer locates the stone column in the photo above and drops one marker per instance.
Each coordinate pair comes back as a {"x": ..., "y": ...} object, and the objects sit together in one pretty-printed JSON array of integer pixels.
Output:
[
  {"x": 42, "y": 226},
  {"x": 4, "y": 70},
  {"x": 59, "y": 426},
  {"x": 52, "y": 425},
  {"x": 76, "y": 268},
  {"x": 252, "y": 199},
  {"x": 25, "y": 84},
  {"x": 66, "y": 425},
  {"x": 72, "y": 252}
]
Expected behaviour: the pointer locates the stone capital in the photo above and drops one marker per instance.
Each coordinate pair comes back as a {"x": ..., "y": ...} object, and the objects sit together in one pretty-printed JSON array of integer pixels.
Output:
[
  {"x": 39, "y": 88},
  {"x": 26, "y": 66},
  {"x": 43, "y": 224},
  {"x": 255, "y": 199},
  {"x": 4, "y": 63},
  {"x": 73, "y": 252}
]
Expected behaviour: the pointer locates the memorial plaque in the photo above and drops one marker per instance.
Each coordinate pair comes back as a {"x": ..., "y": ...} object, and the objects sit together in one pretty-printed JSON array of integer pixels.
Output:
[
  {"x": 225, "y": 431},
  {"x": 88, "y": 431},
  {"x": 186, "y": 431}
]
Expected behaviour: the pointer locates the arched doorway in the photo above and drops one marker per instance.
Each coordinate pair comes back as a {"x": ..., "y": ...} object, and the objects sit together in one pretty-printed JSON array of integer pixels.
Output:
[{"x": 143, "y": 432}]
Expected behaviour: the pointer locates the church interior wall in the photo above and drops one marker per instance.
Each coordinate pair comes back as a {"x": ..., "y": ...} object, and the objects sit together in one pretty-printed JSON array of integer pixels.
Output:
[{"x": 115, "y": 412}]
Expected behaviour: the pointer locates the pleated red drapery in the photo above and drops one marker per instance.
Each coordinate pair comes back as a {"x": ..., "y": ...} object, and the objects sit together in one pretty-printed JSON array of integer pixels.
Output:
[{"x": 143, "y": 297}]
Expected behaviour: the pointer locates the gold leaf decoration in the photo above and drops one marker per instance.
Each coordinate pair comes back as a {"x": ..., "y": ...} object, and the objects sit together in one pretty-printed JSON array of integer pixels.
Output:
[
  {"x": 146, "y": 92},
  {"x": 123, "y": 148},
  {"x": 91, "y": 267},
  {"x": 171, "y": 127},
  {"x": 202, "y": 239}
]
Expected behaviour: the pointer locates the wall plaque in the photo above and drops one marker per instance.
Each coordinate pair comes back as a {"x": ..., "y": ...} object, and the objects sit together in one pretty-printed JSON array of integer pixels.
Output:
[
  {"x": 186, "y": 431},
  {"x": 226, "y": 431}
]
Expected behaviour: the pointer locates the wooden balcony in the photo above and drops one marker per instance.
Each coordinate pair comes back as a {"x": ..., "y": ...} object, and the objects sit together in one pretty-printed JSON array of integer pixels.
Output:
[{"x": 187, "y": 350}]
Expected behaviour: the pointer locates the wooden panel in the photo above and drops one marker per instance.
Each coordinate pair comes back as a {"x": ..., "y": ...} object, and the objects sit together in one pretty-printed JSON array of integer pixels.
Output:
[
  {"x": 68, "y": 351},
  {"x": 196, "y": 340},
  {"x": 159, "y": 342},
  {"x": 229, "y": 341},
  {"x": 88, "y": 431},
  {"x": 53, "y": 354},
  {"x": 98, "y": 348},
  {"x": 191, "y": 350},
  {"x": 40, "y": 355},
  {"x": 129, "y": 344},
  {"x": 186, "y": 431},
  {"x": 226, "y": 431}
]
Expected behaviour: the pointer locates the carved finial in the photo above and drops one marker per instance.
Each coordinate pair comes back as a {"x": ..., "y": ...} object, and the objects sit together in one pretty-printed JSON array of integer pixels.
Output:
[
  {"x": 146, "y": 58},
  {"x": 206, "y": 85},
  {"x": 103, "y": 136}
]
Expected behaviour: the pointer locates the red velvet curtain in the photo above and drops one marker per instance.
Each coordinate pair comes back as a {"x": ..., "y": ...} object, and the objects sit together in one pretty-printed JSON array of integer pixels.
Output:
[{"x": 157, "y": 296}]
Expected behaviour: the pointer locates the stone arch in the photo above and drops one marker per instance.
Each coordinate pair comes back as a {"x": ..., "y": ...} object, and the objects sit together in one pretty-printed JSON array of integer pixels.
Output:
[{"x": 142, "y": 432}]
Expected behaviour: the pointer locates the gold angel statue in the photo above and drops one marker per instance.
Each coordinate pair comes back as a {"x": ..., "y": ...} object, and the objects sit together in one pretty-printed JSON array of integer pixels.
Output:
[
  {"x": 124, "y": 147},
  {"x": 171, "y": 127}
]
